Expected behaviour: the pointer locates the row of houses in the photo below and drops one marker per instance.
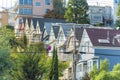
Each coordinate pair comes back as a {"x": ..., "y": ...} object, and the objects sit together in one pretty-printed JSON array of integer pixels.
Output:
[{"x": 89, "y": 44}]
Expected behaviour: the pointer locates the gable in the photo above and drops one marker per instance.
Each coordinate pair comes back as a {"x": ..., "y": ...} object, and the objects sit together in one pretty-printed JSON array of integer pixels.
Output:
[
  {"x": 86, "y": 44},
  {"x": 61, "y": 37},
  {"x": 52, "y": 36}
]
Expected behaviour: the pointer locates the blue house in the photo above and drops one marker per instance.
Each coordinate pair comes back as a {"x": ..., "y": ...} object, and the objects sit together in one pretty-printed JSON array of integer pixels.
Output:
[{"x": 98, "y": 44}]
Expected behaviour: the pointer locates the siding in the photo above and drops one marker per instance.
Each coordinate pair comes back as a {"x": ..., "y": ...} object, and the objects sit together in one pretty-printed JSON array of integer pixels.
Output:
[{"x": 112, "y": 55}]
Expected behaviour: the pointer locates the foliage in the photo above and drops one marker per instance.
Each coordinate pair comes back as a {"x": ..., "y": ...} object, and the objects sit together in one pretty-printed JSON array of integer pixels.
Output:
[
  {"x": 77, "y": 11},
  {"x": 116, "y": 72},
  {"x": 29, "y": 66},
  {"x": 103, "y": 73},
  {"x": 95, "y": 73},
  {"x": 58, "y": 10},
  {"x": 58, "y": 6},
  {"x": 52, "y": 14},
  {"x": 118, "y": 12},
  {"x": 117, "y": 23},
  {"x": 5, "y": 35},
  {"x": 104, "y": 65},
  {"x": 33, "y": 62},
  {"x": 5, "y": 64},
  {"x": 54, "y": 66}
]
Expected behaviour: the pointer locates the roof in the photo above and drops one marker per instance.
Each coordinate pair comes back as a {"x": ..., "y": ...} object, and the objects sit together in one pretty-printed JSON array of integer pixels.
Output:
[
  {"x": 78, "y": 33},
  {"x": 104, "y": 37},
  {"x": 66, "y": 29},
  {"x": 56, "y": 30},
  {"x": 42, "y": 21}
]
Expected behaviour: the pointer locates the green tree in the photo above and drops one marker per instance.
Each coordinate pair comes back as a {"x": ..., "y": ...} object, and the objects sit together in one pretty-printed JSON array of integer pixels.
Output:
[
  {"x": 58, "y": 6},
  {"x": 102, "y": 73},
  {"x": 58, "y": 10},
  {"x": 115, "y": 73},
  {"x": 104, "y": 65},
  {"x": 5, "y": 64},
  {"x": 5, "y": 35},
  {"x": 117, "y": 23},
  {"x": 77, "y": 11},
  {"x": 54, "y": 66},
  {"x": 30, "y": 65}
]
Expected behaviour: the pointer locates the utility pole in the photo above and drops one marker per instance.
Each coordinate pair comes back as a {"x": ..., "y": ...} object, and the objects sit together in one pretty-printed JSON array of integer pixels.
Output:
[{"x": 74, "y": 55}]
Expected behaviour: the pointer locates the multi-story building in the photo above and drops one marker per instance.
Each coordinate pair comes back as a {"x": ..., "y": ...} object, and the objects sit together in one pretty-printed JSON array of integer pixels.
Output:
[
  {"x": 98, "y": 14},
  {"x": 113, "y": 3},
  {"x": 30, "y": 9},
  {"x": 3, "y": 18}
]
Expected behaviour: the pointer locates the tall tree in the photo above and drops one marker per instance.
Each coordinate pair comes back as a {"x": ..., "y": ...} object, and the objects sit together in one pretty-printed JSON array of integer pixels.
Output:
[
  {"x": 6, "y": 33},
  {"x": 58, "y": 10},
  {"x": 54, "y": 66},
  {"x": 77, "y": 11},
  {"x": 58, "y": 7},
  {"x": 5, "y": 64},
  {"x": 30, "y": 64}
]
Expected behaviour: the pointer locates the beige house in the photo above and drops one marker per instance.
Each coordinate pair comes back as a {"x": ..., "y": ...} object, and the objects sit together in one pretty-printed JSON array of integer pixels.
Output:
[{"x": 3, "y": 18}]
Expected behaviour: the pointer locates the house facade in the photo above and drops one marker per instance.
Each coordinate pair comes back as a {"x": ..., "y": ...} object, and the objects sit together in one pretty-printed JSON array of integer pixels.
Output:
[
  {"x": 4, "y": 18},
  {"x": 97, "y": 44}
]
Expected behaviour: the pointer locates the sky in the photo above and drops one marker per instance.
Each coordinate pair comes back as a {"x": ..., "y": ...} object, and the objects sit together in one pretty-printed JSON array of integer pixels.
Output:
[
  {"x": 6, "y": 4},
  {"x": 100, "y": 2},
  {"x": 10, "y": 3}
]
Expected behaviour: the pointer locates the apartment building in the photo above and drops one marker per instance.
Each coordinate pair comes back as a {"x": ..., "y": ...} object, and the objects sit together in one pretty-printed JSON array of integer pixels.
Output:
[
  {"x": 31, "y": 9},
  {"x": 100, "y": 15},
  {"x": 3, "y": 18},
  {"x": 112, "y": 3}
]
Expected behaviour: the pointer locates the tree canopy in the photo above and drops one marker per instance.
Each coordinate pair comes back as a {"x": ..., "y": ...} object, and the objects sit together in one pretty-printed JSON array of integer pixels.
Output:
[
  {"x": 103, "y": 73},
  {"x": 77, "y": 11},
  {"x": 58, "y": 10}
]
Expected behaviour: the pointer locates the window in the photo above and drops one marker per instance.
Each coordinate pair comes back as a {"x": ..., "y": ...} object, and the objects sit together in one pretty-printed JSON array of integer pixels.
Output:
[
  {"x": 94, "y": 63},
  {"x": 25, "y": 11},
  {"x": 21, "y": 11},
  {"x": 116, "y": 1},
  {"x": 47, "y": 2},
  {"x": 26, "y": 2},
  {"x": 37, "y": 4},
  {"x": 21, "y": 2}
]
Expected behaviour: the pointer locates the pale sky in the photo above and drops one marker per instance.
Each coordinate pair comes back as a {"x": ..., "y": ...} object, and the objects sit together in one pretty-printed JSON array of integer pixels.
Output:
[
  {"x": 6, "y": 4},
  {"x": 100, "y": 2},
  {"x": 10, "y": 3}
]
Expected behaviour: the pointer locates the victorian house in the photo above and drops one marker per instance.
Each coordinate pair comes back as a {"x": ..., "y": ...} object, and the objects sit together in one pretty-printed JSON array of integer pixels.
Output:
[{"x": 97, "y": 44}]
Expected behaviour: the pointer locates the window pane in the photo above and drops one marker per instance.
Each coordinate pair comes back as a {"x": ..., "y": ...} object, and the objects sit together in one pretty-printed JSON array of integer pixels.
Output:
[
  {"x": 30, "y": 2},
  {"x": 21, "y": 1},
  {"x": 47, "y": 2},
  {"x": 37, "y": 4},
  {"x": 21, "y": 11}
]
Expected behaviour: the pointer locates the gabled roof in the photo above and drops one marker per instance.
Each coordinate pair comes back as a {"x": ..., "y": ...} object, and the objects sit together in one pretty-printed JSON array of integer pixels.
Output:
[
  {"x": 104, "y": 37},
  {"x": 66, "y": 28},
  {"x": 56, "y": 30},
  {"x": 78, "y": 33},
  {"x": 42, "y": 21}
]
